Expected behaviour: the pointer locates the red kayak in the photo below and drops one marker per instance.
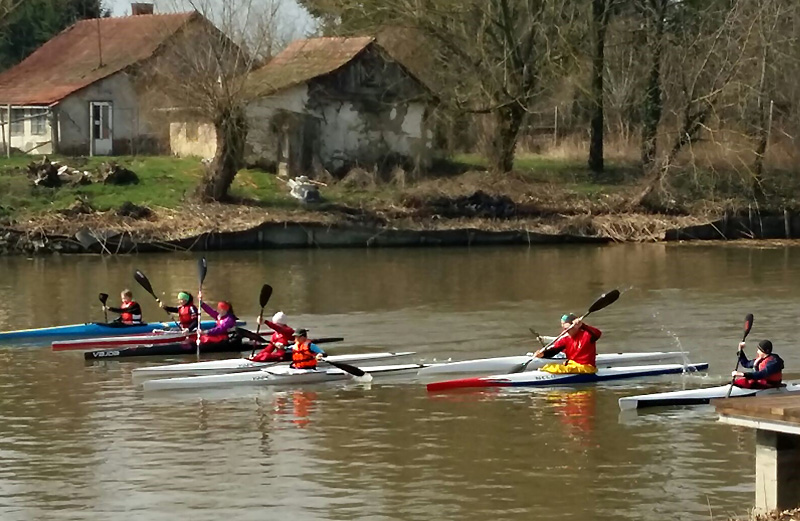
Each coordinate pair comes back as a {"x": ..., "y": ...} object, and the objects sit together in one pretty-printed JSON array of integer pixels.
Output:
[{"x": 165, "y": 337}]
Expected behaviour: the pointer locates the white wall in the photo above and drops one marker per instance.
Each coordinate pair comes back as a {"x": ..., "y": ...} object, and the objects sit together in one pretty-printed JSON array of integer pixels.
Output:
[
  {"x": 200, "y": 141},
  {"x": 261, "y": 140}
]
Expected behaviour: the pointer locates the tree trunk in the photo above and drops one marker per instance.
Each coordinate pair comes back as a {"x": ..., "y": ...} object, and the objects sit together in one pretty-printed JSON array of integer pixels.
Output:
[
  {"x": 764, "y": 124},
  {"x": 503, "y": 143},
  {"x": 231, "y": 129},
  {"x": 600, "y": 16},
  {"x": 652, "y": 109}
]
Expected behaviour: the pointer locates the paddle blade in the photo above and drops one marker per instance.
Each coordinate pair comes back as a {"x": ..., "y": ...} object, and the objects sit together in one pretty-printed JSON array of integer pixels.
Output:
[
  {"x": 103, "y": 298},
  {"x": 255, "y": 337},
  {"x": 605, "y": 300},
  {"x": 327, "y": 340},
  {"x": 202, "y": 269},
  {"x": 144, "y": 282},
  {"x": 347, "y": 368},
  {"x": 266, "y": 293},
  {"x": 748, "y": 325}
]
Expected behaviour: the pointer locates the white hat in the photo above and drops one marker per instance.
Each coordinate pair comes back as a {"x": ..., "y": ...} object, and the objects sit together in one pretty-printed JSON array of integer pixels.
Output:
[{"x": 279, "y": 318}]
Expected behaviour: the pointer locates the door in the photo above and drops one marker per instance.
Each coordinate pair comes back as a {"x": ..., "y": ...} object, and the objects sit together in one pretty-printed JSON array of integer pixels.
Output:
[{"x": 101, "y": 128}]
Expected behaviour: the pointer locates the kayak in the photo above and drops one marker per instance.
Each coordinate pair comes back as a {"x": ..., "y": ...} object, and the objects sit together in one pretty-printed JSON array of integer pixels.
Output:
[
  {"x": 170, "y": 349},
  {"x": 95, "y": 329},
  {"x": 697, "y": 396},
  {"x": 283, "y": 375},
  {"x": 236, "y": 365},
  {"x": 164, "y": 337},
  {"x": 543, "y": 379},
  {"x": 509, "y": 364}
]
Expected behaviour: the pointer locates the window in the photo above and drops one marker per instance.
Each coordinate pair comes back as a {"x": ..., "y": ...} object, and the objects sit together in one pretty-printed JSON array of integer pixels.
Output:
[
  {"x": 17, "y": 122},
  {"x": 38, "y": 122}
]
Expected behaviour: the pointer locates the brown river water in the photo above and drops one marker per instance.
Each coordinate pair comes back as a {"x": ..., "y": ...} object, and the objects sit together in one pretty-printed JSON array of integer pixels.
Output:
[{"x": 81, "y": 441}]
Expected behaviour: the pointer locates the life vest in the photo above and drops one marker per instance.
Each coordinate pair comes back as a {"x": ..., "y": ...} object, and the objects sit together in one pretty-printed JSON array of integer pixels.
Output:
[
  {"x": 187, "y": 316},
  {"x": 774, "y": 379},
  {"x": 280, "y": 338},
  {"x": 303, "y": 357},
  {"x": 127, "y": 317},
  {"x": 216, "y": 338}
]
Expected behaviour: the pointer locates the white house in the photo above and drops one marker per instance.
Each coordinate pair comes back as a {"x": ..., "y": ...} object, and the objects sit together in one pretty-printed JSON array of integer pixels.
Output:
[
  {"x": 331, "y": 102},
  {"x": 78, "y": 93}
]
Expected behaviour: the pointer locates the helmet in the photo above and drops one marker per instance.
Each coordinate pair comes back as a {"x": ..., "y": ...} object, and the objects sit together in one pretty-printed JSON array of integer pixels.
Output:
[{"x": 279, "y": 318}]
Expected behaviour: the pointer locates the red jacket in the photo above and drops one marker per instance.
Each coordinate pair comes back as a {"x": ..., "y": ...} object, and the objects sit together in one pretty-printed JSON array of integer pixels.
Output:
[
  {"x": 282, "y": 334},
  {"x": 582, "y": 349}
]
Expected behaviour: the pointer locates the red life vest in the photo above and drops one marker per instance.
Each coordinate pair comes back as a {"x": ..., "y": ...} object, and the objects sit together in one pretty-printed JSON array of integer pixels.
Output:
[
  {"x": 303, "y": 357},
  {"x": 127, "y": 317},
  {"x": 774, "y": 379},
  {"x": 280, "y": 338},
  {"x": 187, "y": 316}
]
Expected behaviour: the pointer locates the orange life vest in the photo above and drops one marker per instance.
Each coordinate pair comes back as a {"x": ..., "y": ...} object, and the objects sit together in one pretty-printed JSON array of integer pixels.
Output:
[
  {"x": 127, "y": 317},
  {"x": 303, "y": 357}
]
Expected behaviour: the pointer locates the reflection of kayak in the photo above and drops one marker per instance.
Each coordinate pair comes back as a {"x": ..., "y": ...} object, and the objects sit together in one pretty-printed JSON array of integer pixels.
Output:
[
  {"x": 243, "y": 364},
  {"x": 543, "y": 379},
  {"x": 95, "y": 329},
  {"x": 165, "y": 337},
  {"x": 187, "y": 347},
  {"x": 697, "y": 396},
  {"x": 507, "y": 364},
  {"x": 282, "y": 375}
]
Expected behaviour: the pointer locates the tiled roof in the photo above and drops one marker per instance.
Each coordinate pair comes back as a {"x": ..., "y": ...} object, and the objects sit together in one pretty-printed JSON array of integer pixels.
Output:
[
  {"x": 70, "y": 61},
  {"x": 304, "y": 60}
]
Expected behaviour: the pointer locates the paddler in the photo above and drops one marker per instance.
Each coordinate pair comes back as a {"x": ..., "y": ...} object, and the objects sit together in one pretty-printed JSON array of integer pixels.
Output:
[
  {"x": 767, "y": 368},
  {"x": 305, "y": 354},
  {"x": 130, "y": 312},
  {"x": 579, "y": 344},
  {"x": 186, "y": 310},
  {"x": 282, "y": 337},
  {"x": 226, "y": 323}
]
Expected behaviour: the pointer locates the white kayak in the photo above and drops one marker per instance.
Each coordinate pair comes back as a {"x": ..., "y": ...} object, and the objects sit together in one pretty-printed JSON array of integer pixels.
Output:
[
  {"x": 510, "y": 364},
  {"x": 697, "y": 396},
  {"x": 543, "y": 379},
  {"x": 234, "y": 365},
  {"x": 279, "y": 375}
]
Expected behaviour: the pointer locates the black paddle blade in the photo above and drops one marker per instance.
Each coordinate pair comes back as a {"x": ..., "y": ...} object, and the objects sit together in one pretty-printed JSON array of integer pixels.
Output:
[
  {"x": 748, "y": 325},
  {"x": 202, "y": 269},
  {"x": 327, "y": 340},
  {"x": 255, "y": 337},
  {"x": 266, "y": 293},
  {"x": 144, "y": 282},
  {"x": 605, "y": 300},
  {"x": 103, "y": 298},
  {"x": 347, "y": 368}
]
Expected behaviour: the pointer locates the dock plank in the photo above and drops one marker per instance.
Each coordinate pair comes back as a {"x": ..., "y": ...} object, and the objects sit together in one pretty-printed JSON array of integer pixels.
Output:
[{"x": 779, "y": 408}]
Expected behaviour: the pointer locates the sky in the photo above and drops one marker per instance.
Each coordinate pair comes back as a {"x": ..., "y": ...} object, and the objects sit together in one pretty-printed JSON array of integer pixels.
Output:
[{"x": 292, "y": 15}]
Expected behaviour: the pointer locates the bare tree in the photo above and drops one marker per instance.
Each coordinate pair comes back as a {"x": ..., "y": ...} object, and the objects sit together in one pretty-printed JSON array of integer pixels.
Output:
[
  {"x": 601, "y": 14},
  {"x": 203, "y": 74}
]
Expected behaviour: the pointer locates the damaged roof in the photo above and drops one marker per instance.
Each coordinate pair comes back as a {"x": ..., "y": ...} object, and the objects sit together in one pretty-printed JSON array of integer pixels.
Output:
[
  {"x": 70, "y": 61},
  {"x": 304, "y": 60}
]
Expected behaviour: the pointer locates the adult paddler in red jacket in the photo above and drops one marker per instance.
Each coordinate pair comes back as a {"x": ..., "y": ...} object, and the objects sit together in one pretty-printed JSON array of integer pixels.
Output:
[
  {"x": 579, "y": 344},
  {"x": 282, "y": 338}
]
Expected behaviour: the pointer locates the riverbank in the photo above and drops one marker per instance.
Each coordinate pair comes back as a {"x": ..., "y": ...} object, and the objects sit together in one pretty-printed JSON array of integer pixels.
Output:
[{"x": 545, "y": 200}]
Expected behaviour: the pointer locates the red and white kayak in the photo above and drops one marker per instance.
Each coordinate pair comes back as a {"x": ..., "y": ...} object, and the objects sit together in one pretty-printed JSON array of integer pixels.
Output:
[{"x": 156, "y": 337}]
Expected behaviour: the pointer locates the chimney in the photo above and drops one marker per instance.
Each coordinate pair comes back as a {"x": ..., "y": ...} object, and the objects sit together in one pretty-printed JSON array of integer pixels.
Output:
[{"x": 139, "y": 8}]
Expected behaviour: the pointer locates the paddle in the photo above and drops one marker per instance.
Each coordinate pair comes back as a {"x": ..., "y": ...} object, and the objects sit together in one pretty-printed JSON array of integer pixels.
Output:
[
  {"x": 103, "y": 299},
  {"x": 263, "y": 298},
  {"x": 202, "y": 269},
  {"x": 605, "y": 300},
  {"x": 145, "y": 283},
  {"x": 748, "y": 325},
  {"x": 357, "y": 374}
]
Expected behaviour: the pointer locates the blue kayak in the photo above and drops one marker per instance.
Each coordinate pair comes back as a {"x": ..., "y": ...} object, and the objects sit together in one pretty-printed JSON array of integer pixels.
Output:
[{"x": 95, "y": 329}]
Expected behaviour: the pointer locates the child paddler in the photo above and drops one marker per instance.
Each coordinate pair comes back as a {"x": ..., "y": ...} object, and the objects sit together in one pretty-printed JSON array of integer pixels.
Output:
[
  {"x": 281, "y": 340},
  {"x": 579, "y": 344},
  {"x": 130, "y": 312},
  {"x": 226, "y": 323},
  {"x": 186, "y": 310}
]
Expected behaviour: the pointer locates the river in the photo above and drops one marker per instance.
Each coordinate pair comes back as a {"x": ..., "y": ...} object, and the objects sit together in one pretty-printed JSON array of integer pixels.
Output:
[{"x": 81, "y": 441}]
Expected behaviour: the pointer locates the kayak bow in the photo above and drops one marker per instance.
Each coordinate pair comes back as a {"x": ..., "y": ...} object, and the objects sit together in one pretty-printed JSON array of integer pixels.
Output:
[
  {"x": 94, "y": 329},
  {"x": 697, "y": 396}
]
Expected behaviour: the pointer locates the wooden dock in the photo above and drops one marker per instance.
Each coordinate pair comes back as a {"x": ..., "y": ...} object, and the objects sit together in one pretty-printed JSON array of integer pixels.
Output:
[{"x": 777, "y": 423}]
